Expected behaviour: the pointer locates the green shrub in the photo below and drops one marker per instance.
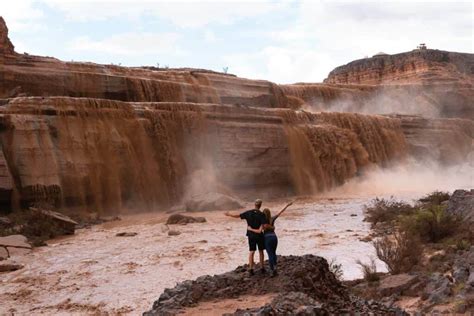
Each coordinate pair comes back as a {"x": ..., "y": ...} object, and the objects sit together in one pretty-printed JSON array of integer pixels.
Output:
[
  {"x": 463, "y": 244},
  {"x": 431, "y": 224},
  {"x": 399, "y": 252},
  {"x": 382, "y": 210}
]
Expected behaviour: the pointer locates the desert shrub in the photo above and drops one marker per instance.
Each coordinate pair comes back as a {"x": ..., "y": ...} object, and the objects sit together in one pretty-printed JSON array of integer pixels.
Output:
[
  {"x": 382, "y": 210},
  {"x": 399, "y": 252},
  {"x": 463, "y": 244},
  {"x": 369, "y": 270},
  {"x": 431, "y": 224},
  {"x": 336, "y": 269},
  {"x": 435, "y": 198}
]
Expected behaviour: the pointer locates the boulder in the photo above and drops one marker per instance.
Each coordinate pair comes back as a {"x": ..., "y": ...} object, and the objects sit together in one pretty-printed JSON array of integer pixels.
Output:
[
  {"x": 460, "y": 272},
  {"x": 470, "y": 279},
  {"x": 9, "y": 265},
  {"x": 461, "y": 204},
  {"x": 14, "y": 244},
  {"x": 174, "y": 233},
  {"x": 126, "y": 234},
  {"x": 396, "y": 284},
  {"x": 184, "y": 219},
  {"x": 65, "y": 223},
  {"x": 438, "y": 289},
  {"x": 212, "y": 201},
  {"x": 5, "y": 222}
]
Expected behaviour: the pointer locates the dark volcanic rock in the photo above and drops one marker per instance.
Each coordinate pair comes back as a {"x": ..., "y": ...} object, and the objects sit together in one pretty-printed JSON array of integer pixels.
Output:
[{"x": 305, "y": 284}]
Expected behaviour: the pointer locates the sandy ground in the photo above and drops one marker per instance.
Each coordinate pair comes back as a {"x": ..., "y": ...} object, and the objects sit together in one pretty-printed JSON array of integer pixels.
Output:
[{"x": 95, "y": 272}]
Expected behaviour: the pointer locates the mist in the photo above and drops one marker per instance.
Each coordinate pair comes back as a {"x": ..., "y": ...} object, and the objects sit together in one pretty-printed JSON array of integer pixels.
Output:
[{"x": 412, "y": 178}]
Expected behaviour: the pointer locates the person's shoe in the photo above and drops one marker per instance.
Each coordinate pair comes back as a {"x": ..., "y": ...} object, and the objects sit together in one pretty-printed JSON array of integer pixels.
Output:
[
  {"x": 274, "y": 273},
  {"x": 251, "y": 272},
  {"x": 263, "y": 271}
]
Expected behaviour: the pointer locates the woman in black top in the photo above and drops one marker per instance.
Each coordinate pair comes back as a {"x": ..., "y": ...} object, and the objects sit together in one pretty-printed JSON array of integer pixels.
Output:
[{"x": 271, "y": 239}]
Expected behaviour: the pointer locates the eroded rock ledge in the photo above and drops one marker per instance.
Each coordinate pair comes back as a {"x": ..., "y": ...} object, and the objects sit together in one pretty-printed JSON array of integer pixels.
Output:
[{"x": 304, "y": 281}]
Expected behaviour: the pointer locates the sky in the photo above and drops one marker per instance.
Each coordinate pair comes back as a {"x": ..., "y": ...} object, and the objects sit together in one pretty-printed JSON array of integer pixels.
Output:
[{"x": 281, "y": 41}]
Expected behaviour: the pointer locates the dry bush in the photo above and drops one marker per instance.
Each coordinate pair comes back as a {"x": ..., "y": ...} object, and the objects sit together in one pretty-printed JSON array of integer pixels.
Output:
[
  {"x": 336, "y": 269},
  {"x": 435, "y": 198},
  {"x": 399, "y": 252},
  {"x": 382, "y": 210},
  {"x": 369, "y": 270}
]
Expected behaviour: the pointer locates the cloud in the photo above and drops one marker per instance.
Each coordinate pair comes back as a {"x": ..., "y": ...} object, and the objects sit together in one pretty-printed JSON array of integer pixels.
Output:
[
  {"x": 324, "y": 35},
  {"x": 21, "y": 15},
  {"x": 186, "y": 14},
  {"x": 131, "y": 44},
  {"x": 280, "y": 64}
]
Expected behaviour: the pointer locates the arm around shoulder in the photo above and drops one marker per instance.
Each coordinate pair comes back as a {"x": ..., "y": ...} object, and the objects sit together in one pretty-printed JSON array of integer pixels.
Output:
[{"x": 229, "y": 214}]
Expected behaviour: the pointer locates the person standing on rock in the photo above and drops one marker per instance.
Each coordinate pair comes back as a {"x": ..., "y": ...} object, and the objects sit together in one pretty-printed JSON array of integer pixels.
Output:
[
  {"x": 270, "y": 237},
  {"x": 255, "y": 219}
]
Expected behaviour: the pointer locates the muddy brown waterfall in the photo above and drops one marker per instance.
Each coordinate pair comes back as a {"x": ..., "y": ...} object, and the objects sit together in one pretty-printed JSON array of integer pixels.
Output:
[
  {"x": 105, "y": 137},
  {"x": 326, "y": 149}
]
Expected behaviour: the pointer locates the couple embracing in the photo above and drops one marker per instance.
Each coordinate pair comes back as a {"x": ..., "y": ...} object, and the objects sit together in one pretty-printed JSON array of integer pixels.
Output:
[{"x": 261, "y": 234}]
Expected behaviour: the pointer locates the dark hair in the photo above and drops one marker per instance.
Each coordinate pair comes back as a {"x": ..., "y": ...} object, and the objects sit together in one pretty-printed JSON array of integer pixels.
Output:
[{"x": 268, "y": 215}]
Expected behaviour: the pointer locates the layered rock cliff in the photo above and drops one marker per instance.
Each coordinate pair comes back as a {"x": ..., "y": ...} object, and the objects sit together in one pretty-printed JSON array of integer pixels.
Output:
[
  {"x": 105, "y": 137},
  {"x": 424, "y": 79}
]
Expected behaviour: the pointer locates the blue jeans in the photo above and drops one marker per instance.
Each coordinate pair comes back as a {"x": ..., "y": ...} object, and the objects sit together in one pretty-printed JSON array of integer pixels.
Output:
[{"x": 271, "y": 243}]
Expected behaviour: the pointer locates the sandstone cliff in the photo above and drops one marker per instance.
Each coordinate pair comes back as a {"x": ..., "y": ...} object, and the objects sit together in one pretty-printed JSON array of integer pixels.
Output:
[
  {"x": 104, "y": 137},
  {"x": 441, "y": 80}
]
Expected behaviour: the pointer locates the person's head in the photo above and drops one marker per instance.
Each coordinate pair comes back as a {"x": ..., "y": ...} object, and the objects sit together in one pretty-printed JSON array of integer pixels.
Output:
[
  {"x": 258, "y": 204},
  {"x": 268, "y": 214}
]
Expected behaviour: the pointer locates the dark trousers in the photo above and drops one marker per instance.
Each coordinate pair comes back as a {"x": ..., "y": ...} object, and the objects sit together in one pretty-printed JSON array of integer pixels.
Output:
[{"x": 271, "y": 243}]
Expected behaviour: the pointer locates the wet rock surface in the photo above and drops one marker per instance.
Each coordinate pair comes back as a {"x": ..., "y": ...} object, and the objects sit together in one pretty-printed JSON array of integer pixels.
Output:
[
  {"x": 396, "y": 283},
  {"x": 65, "y": 224},
  {"x": 184, "y": 219},
  {"x": 9, "y": 265},
  {"x": 13, "y": 243},
  {"x": 305, "y": 286}
]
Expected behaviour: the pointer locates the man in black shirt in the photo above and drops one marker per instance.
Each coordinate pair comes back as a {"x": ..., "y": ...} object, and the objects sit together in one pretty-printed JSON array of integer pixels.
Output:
[{"x": 255, "y": 219}]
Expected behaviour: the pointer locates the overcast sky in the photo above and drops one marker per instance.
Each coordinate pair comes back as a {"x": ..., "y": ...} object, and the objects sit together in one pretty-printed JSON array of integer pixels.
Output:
[{"x": 282, "y": 41}]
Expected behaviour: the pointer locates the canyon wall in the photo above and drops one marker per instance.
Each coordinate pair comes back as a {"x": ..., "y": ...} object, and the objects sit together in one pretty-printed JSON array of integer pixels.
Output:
[
  {"x": 105, "y": 137},
  {"x": 426, "y": 78}
]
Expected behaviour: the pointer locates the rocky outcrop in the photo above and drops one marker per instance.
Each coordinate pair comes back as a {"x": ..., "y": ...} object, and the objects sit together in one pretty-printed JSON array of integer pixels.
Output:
[
  {"x": 6, "y": 46},
  {"x": 461, "y": 203},
  {"x": 428, "y": 82},
  {"x": 184, "y": 219},
  {"x": 64, "y": 224},
  {"x": 305, "y": 281},
  {"x": 415, "y": 66}
]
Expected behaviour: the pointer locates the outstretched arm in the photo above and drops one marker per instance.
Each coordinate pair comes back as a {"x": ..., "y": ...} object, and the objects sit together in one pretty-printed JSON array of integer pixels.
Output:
[
  {"x": 284, "y": 209},
  {"x": 232, "y": 215}
]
